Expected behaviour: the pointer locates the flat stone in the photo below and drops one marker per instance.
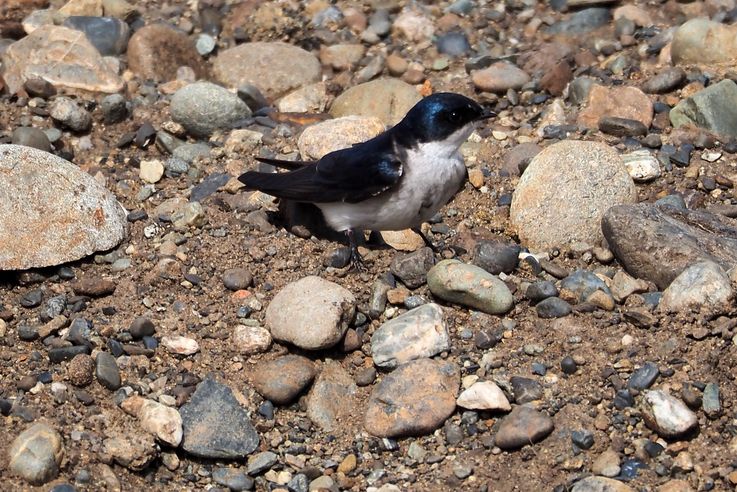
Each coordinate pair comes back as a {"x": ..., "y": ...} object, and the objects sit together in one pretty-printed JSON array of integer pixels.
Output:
[
  {"x": 282, "y": 380},
  {"x": 386, "y": 99},
  {"x": 701, "y": 40},
  {"x": 249, "y": 340},
  {"x": 657, "y": 243},
  {"x": 203, "y": 107},
  {"x": 215, "y": 424},
  {"x": 331, "y": 401},
  {"x": 499, "y": 78},
  {"x": 496, "y": 256},
  {"x": 312, "y": 98},
  {"x": 581, "y": 22},
  {"x": 108, "y": 34},
  {"x": 484, "y": 395},
  {"x": 261, "y": 462},
  {"x": 38, "y": 55},
  {"x": 470, "y": 286},
  {"x": 339, "y": 133},
  {"x": 523, "y": 426},
  {"x": 36, "y": 454},
  {"x": 274, "y": 67},
  {"x": 601, "y": 484},
  {"x": 712, "y": 109},
  {"x": 420, "y": 332},
  {"x": 406, "y": 240},
  {"x": 157, "y": 51},
  {"x": 31, "y": 137},
  {"x": 668, "y": 79},
  {"x": 620, "y": 102},
  {"x": 107, "y": 371},
  {"x": 412, "y": 268},
  {"x": 703, "y": 285},
  {"x": 51, "y": 212},
  {"x": 233, "y": 479},
  {"x": 403, "y": 404},
  {"x": 642, "y": 166},
  {"x": 644, "y": 377},
  {"x": 163, "y": 422},
  {"x": 621, "y": 127},
  {"x": 565, "y": 191},
  {"x": 311, "y": 313},
  {"x": 667, "y": 415},
  {"x": 134, "y": 451}
]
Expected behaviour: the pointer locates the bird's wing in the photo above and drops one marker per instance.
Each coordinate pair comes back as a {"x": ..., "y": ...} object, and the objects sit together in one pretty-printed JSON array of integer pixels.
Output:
[
  {"x": 280, "y": 163},
  {"x": 348, "y": 175}
]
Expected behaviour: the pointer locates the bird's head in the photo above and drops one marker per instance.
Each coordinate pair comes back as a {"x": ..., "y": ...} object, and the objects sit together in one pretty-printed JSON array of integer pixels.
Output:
[{"x": 444, "y": 116}]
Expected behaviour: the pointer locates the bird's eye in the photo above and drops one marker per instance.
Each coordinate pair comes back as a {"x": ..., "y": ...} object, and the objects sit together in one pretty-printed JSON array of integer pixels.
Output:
[{"x": 454, "y": 117}]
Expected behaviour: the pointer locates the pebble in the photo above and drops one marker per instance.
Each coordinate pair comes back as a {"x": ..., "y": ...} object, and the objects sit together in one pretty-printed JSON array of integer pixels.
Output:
[
  {"x": 386, "y": 99},
  {"x": 600, "y": 484},
  {"x": 215, "y": 425},
  {"x": 134, "y": 451},
  {"x": 282, "y": 380},
  {"x": 412, "y": 25},
  {"x": 484, "y": 395},
  {"x": 332, "y": 397},
  {"x": 568, "y": 365},
  {"x": 237, "y": 279},
  {"x": 470, "y": 286},
  {"x": 36, "y": 454},
  {"x": 496, "y": 257},
  {"x": 620, "y": 102},
  {"x": 711, "y": 402},
  {"x": 151, "y": 171},
  {"x": 141, "y": 327},
  {"x": 525, "y": 389},
  {"x": 553, "y": 307},
  {"x": 61, "y": 354},
  {"x": 114, "y": 109},
  {"x": 523, "y": 426},
  {"x": 583, "y": 439},
  {"x": 621, "y": 127},
  {"x": 412, "y": 268},
  {"x": 323, "y": 306},
  {"x": 499, "y": 78},
  {"x": 420, "y": 332},
  {"x": 31, "y": 137},
  {"x": 541, "y": 290},
  {"x": 160, "y": 420},
  {"x": 342, "y": 56},
  {"x": 338, "y": 133},
  {"x": 607, "y": 464},
  {"x": 402, "y": 404},
  {"x": 667, "y": 415},
  {"x": 68, "y": 113},
  {"x": 203, "y": 107},
  {"x": 668, "y": 79},
  {"x": 582, "y": 21},
  {"x": 157, "y": 51},
  {"x": 260, "y": 462},
  {"x": 94, "y": 286},
  {"x": 233, "y": 479},
  {"x": 703, "y": 285},
  {"x": 709, "y": 109},
  {"x": 180, "y": 345},
  {"x": 644, "y": 377},
  {"x": 107, "y": 371},
  {"x": 453, "y": 43},
  {"x": 249, "y": 340},
  {"x": 80, "y": 370}
]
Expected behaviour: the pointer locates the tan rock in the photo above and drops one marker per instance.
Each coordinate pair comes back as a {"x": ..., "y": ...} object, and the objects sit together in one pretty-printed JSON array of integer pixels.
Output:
[
  {"x": 163, "y": 422},
  {"x": 340, "y": 133},
  {"x": 406, "y": 240},
  {"x": 620, "y": 102},
  {"x": 156, "y": 52}
]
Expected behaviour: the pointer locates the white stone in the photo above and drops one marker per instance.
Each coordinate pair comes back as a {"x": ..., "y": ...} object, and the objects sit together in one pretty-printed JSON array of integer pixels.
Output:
[
  {"x": 667, "y": 415},
  {"x": 484, "y": 395},
  {"x": 641, "y": 165},
  {"x": 250, "y": 340},
  {"x": 151, "y": 171},
  {"x": 180, "y": 345},
  {"x": 160, "y": 420},
  {"x": 702, "y": 285}
]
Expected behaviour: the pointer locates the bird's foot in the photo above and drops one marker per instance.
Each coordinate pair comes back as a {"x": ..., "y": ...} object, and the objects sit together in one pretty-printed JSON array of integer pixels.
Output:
[
  {"x": 357, "y": 262},
  {"x": 436, "y": 248}
]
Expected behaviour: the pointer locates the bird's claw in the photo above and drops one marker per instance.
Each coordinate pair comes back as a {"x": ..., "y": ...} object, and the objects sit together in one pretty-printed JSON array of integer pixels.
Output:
[{"x": 357, "y": 262}]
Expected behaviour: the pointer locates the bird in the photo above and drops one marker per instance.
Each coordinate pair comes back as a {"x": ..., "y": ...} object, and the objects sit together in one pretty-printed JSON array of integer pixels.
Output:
[{"x": 394, "y": 181}]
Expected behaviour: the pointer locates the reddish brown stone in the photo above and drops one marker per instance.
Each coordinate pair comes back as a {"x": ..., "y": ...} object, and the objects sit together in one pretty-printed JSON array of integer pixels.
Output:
[
  {"x": 557, "y": 78},
  {"x": 621, "y": 102},
  {"x": 156, "y": 51}
]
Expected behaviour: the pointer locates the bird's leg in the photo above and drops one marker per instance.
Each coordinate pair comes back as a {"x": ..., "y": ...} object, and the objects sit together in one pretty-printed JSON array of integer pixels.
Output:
[
  {"x": 427, "y": 240},
  {"x": 356, "y": 259}
]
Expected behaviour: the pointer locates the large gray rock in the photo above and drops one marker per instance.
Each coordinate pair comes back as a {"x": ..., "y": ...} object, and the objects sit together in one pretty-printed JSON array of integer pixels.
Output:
[
  {"x": 657, "y": 243},
  {"x": 704, "y": 41},
  {"x": 275, "y": 67},
  {"x": 418, "y": 333},
  {"x": 203, "y": 107},
  {"x": 311, "y": 313},
  {"x": 713, "y": 108},
  {"x": 36, "y": 454},
  {"x": 51, "y": 212},
  {"x": 386, "y": 99},
  {"x": 703, "y": 285},
  {"x": 565, "y": 191},
  {"x": 469, "y": 285}
]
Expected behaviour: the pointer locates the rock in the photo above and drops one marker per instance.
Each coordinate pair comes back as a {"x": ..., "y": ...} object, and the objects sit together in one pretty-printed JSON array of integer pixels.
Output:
[
  {"x": 108, "y": 34},
  {"x": 644, "y": 377},
  {"x": 45, "y": 217},
  {"x": 620, "y": 102},
  {"x": 114, "y": 108},
  {"x": 339, "y": 133},
  {"x": 134, "y": 451},
  {"x": 163, "y": 422},
  {"x": 703, "y": 285},
  {"x": 668, "y": 79},
  {"x": 203, "y": 107},
  {"x": 703, "y": 41},
  {"x": 711, "y": 109},
  {"x": 621, "y": 127},
  {"x": 177, "y": 344},
  {"x": 606, "y": 464},
  {"x": 82, "y": 7},
  {"x": 518, "y": 158},
  {"x": 141, "y": 327},
  {"x": 151, "y": 171},
  {"x": 523, "y": 426},
  {"x": 249, "y": 340},
  {"x": 642, "y": 166},
  {"x": 623, "y": 286},
  {"x": 237, "y": 279},
  {"x": 412, "y": 268},
  {"x": 499, "y": 78},
  {"x": 311, "y": 313},
  {"x": 406, "y": 240},
  {"x": 420, "y": 332},
  {"x": 341, "y": 56},
  {"x": 80, "y": 370},
  {"x": 580, "y": 285},
  {"x": 484, "y": 395},
  {"x": 632, "y": 12},
  {"x": 386, "y": 99},
  {"x": 470, "y": 286},
  {"x": 274, "y": 67},
  {"x": 282, "y": 380},
  {"x": 233, "y": 479},
  {"x": 541, "y": 290},
  {"x": 331, "y": 399},
  {"x": 413, "y": 26},
  {"x": 581, "y": 22},
  {"x": 157, "y": 51},
  {"x": 712, "y": 404},
  {"x": 36, "y": 454},
  {"x": 107, "y": 371},
  {"x": 215, "y": 425},
  {"x": 667, "y": 415},
  {"x": 261, "y": 462},
  {"x": 69, "y": 114},
  {"x": 37, "y": 56},
  {"x": 453, "y": 43},
  {"x": 312, "y": 98},
  {"x": 601, "y": 484},
  {"x": 403, "y": 404},
  {"x": 657, "y": 243},
  {"x": 565, "y": 191},
  {"x": 496, "y": 256},
  {"x": 525, "y": 389},
  {"x": 31, "y": 137},
  {"x": 94, "y": 286}
]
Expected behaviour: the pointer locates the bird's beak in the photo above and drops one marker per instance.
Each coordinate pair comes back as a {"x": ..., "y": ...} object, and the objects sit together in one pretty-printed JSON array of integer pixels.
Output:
[{"x": 486, "y": 114}]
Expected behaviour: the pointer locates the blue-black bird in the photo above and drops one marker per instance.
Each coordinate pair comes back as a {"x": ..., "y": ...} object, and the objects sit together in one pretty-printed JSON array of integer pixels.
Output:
[{"x": 395, "y": 181}]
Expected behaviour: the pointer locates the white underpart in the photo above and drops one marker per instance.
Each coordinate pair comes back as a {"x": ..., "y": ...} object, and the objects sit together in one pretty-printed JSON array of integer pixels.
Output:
[{"x": 431, "y": 175}]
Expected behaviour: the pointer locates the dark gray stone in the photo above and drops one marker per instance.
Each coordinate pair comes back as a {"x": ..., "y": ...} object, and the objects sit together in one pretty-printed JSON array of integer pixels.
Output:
[
  {"x": 232, "y": 478},
  {"x": 644, "y": 377},
  {"x": 582, "y": 283},
  {"x": 582, "y": 21},
  {"x": 412, "y": 268},
  {"x": 208, "y": 186},
  {"x": 107, "y": 371},
  {"x": 583, "y": 439},
  {"x": 541, "y": 290},
  {"x": 60, "y": 354},
  {"x": 261, "y": 462},
  {"x": 621, "y": 127},
  {"x": 665, "y": 81},
  {"x": 114, "y": 108},
  {"x": 496, "y": 257},
  {"x": 553, "y": 307},
  {"x": 31, "y": 137},
  {"x": 525, "y": 389},
  {"x": 711, "y": 402},
  {"x": 237, "y": 278},
  {"x": 141, "y": 327},
  {"x": 108, "y": 34}
]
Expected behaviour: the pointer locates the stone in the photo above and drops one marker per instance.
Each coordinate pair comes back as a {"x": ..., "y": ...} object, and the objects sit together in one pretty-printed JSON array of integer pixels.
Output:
[
  {"x": 632, "y": 12},
  {"x": 108, "y": 34},
  {"x": 582, "y": 21},
  {"x": 484, "y": 395},
  {"x": 620, "y": 102},
  {"x": 666, "y": 80},
  {"x": 412, "y": 268},
  {"x": 261, "y": 462},
  {"x": 233, "y": 479},
  {"x": 36, "y": 454},
  {"x": 250, "y": 340},
  {"x": 499, "y": 78},
  {"x": 541, "y": 290},
  {"x": 564, "y": 192},
  {"x": 623, "y": 286},
  {"x": 470, "y": 286},
  {"x": 496, "y": 256},
  {"x": 642, "y": 166},
  {"x": 516, "y": 160},
  {"x": 420, "y": 332},
  {"x": 331, "y": 401},
  {"x": 621, "y": 127},
  {"x": 705, "y": 41},
  {"x": 711, "y": 109},
  {"x": 237, "y": 279},
  {"x": 31, "y": 137},
  {"x": 703, "y": 285},
  {"x": 525, "y": 390},
  {"x": 69, "y": 114},
  {"x": 667, "y": 415},
  {"x": 406, "y": 240},
  {"x": 386, "y": 99},
  {"x": 107, "y": 371},
  {"x": 151, "y": 171},
  {"x": 413, "y": 26},
  {"x": 82, "y": 7},
  {"x": 141, "y": 327},
  {"x": 94, "y": 286},
  {"x": 453, "y": 44},
  {"x": 404, "y": 405},
  {"x": 179, "y": 345},
  {"x": 163, "y": 422},
  {"x": 312, "y": 98},
  {"x": 80, "y": 370},
  {"x": 114, "y": 108},
  {"x": 341, "y": 56},
  {"x": 203, "y": 107},
  {"x": 51, "y": 212},
  {"x": 644, "y": 377},
  {"x": 339, "y": 133},
  {"x": 311, "y": 313},
  {"x": 657, "y": 243},
  {"x": 601, "y": 484},
  {"x": 215, "y": 424},
  {"x": 157, "y": 51},
  {"x": 274, "y": 67},
  {"x": 38, "y": 55},
  {"x": 607, "y": 464},
  {"x": 580, "y": 285},
  {"x": 134, "y": 451},
  {"x": 523, "y": 426},
  {"x": 282, "y": 380}
]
